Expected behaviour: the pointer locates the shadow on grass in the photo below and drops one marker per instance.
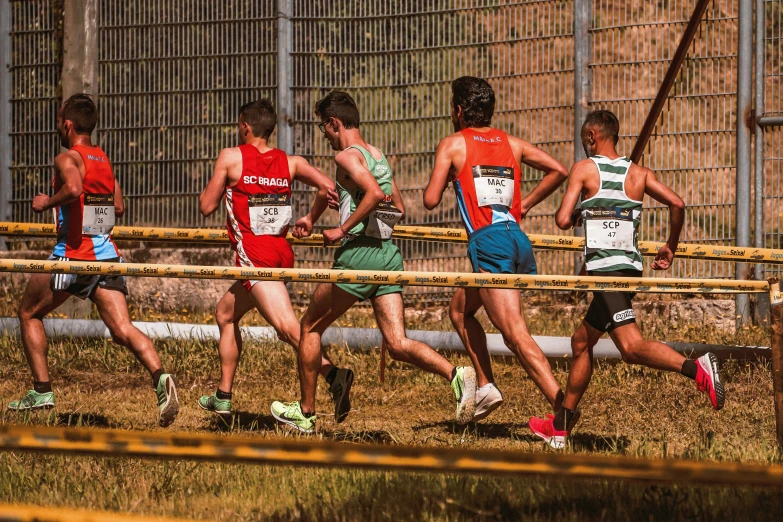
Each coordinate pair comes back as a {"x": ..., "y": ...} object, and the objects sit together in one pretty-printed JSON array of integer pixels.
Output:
[
  {"x": 361, "y": 436},
  {"x": 242, "y": 421},
  {"x": 85, "y": 420}
]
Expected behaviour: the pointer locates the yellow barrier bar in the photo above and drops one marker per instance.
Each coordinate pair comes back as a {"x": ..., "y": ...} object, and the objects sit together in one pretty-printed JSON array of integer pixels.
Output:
[
  {"x": 26, "y": 513},
  {"x": 321, "y": 453},
  {"x": 440, "y": 279},
  {"x": 539, "y": 241}
]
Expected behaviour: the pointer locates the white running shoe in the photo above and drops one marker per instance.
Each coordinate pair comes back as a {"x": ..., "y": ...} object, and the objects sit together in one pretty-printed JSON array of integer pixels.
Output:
[{"x": 488, "y": 399}]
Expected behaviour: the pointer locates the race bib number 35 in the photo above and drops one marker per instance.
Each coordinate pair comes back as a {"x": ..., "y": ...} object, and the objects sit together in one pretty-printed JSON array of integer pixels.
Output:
[
  {"x": 615, "y": 234},
  {"x": 383, "y": 220},
  {"x": 494, "y": 185},
  {"x": 269, "y": 213},
  {"x": 98, "y": 216}
]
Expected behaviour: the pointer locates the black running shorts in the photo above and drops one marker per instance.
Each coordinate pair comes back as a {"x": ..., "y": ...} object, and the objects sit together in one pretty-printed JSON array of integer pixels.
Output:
[
  {"x": 609, "y": 310},
  {"x": 83, "y": 286}
]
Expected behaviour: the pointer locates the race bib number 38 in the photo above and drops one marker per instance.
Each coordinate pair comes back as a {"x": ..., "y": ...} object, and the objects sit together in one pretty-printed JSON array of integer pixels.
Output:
[
  {"x": 494, "y": 185},
  {"x": 269, "y": 213},
  {"x": 98, "y": 216},
  {"x": 383, "y": 220}
]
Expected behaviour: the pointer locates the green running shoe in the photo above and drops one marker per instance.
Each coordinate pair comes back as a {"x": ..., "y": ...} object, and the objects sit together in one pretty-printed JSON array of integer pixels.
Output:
[
  {"x": 464, "y": 386},
  {"x": 290, "y": 413},
  {"x": 33, "y": 401},
  {"x": 339, "y": 389},
  {"x": 168, "y": 402},
  {"x": 212, "y": 403}
]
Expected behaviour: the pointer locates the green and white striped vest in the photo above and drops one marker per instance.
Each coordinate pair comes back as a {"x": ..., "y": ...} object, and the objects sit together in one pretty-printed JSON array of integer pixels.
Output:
[{"x": 611, "y": 221}]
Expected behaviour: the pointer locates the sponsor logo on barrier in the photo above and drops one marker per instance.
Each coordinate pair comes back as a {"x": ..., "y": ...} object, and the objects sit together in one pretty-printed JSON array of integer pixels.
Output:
[
  {"x": 624, "y": 315},
  {"x": 642, "y": 288},
  {"x": 198, "y": 236},
  {"x": 153, "y": 235},
  {"x": 226, "y": 274},
  {"x": 3, "y": 268},
  {"x": 148, "y": 270},
  {"x": 317, "y": 275},
  {"x": 113, "y": 270},
  {"x": 481, "y": 281},
  {"x": 440, "y": 280},
  {"x": 520, "y": 283},
  {"x": 87, "y": 268},
  {"x": 664, "y": 286},
  {"x": 3, "y": 228},
  {"x": 283, "y": 276},
  {"x": 681, "y": 249},
  {"x": 418, "y": 233},
  {"x": 342, "y": 279},
  {"x": 704, "y": 289},
  {"x": 559, "y": 241},
  {"x": 30, "y": 266},
  {"x": 420, "y": 279},
  {"x": 699, "y": 252},
  {"x": 136, "y": 233},
  {"x": 460, "y": 282},
  {"x": 454, "y": 233},
  {"x": 402, "y": 280},
  {"x": 374, "y": 277},
  {"x": 579, "y": 285},
  {"x": 776, "y": 255},
  {"x": 216, "y": 235},
  {"x": 166, "y": 233},
  {"x": 170, "y": 271},
  {"x": 755, "y": 255},
  {"x": 602, "y": 285},
  {"x": 17, "y": 230},
  {"x": 133, "y": 270},
  {"x": 56, "y": 268},
  {"x": 247, "y": 273},
  {"x": 190, "y": 271}
]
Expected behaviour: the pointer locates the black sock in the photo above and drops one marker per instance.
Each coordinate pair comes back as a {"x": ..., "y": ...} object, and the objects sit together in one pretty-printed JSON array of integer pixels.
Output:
[
  {"x": 42, "y": 387},
  {"x": 331, "y": 375},
  {"x": 156, "y": 377},
  {"x": 562, "y": 417},
  {"x": 689, "y": 369},
  {"x": 223, "y": 396},
  {"x": 453, "y": 374}
]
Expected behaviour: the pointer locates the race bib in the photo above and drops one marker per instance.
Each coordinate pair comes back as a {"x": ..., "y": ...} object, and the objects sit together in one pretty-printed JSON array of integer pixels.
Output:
[
  {"x": 382, "y": 220},
  {"x": 607, "y": 230},
  {"x": 98, "y": 215},
  {"x": 269, "y": 213},
  {"x": 494, "y": 185}
]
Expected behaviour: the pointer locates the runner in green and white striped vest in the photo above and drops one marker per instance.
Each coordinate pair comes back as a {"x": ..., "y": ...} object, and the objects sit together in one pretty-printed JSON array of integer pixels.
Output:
[{"x": 611, "y": 221}]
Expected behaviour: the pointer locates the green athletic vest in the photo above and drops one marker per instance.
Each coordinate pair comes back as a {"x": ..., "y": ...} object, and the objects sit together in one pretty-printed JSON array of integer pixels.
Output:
[
  {"x": 611, "y": 221},
  {"x": 349, "y": 199}
]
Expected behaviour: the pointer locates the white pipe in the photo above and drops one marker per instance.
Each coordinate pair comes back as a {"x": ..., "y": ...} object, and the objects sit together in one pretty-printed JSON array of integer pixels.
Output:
[{"x": 361, "y": 338}]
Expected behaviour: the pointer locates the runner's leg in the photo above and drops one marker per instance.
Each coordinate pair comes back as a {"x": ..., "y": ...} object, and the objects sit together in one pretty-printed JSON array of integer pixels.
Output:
[
  {"x": 636, "y": 350},
  {"x": 327, "y": 304},
  {"x": 388, "y": 310},
  {"x": 582, "y": 343},
  {"x": 234, "y": 304},
  {"x": 464, "y": 305},
  {"x": 503, "y": 309},
  {"x": 274, "y": 304},
  {"x": 38, "y": 300}
]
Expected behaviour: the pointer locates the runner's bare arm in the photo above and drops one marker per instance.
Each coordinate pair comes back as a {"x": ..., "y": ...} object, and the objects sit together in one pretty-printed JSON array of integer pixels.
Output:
[
  {"x": 67, "y": 170},
  {"x": 439, "y": 178},
  {"x": 210, "y": 197},
  {"x": 351, "y": 162},
  {"x": 119, "y": 204},
  {"x": 397, "y": 199},
  {"x": 663, "y": 194},
  {"x": 554, "y": 173},
  {"x": 565, "y": 214},
  {"x": 313, "y": 177}
]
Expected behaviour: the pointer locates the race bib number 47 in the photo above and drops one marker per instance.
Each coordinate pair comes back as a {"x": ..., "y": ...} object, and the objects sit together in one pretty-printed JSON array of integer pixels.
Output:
[
  {"x": 615, "y": 234},
  {"x": 269, "y": 213},
  {"x": 98, "y": 216},
  {"x": 494, "y": 185}
]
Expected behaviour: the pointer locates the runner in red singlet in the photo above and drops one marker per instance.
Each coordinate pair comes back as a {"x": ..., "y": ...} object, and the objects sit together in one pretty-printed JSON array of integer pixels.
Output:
[
  {"x": 86, "y": 201},
  {"x": 484, "y": 164},
  {"x": 255, "y": 180}
]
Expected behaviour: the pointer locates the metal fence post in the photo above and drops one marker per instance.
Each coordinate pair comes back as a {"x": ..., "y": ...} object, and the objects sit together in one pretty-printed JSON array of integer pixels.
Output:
[
  {"x": 582, "y": 19},
  {"x": 285, "y": 42},
  {"x": 5, "y": 116},
  {"x": 744, "y": 111},
  {"x": 761, "y": 301},
  {"x": 776, "y": 345}
]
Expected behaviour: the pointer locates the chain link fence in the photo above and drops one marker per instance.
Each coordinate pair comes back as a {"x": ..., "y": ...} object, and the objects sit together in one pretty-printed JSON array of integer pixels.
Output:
[
  {"x": 172, "y": 76},
  {"x": 773, "y": 135}
]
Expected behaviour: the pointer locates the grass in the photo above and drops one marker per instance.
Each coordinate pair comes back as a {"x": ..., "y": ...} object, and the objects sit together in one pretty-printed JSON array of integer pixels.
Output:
[{"x": 628, "y": 410}]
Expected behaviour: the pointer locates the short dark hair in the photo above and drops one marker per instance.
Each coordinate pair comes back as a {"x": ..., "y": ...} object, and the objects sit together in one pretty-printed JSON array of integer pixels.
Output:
[
  {"x": 606, "y": 122},
  {"x": 476, "y": 98},
  {"x": 82, "y": 112},
  {"x": 261, "y": 117},
  {"x": 339, "y": 105}
]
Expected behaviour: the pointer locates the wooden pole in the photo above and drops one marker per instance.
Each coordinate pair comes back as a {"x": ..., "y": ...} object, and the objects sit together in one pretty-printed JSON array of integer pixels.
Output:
[{"x": 776, "y": 346}]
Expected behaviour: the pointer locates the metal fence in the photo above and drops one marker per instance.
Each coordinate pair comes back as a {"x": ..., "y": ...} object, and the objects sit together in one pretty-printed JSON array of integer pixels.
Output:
[
  {"x": 772, "y": 107},
  {"x": 172, "y": 76}
]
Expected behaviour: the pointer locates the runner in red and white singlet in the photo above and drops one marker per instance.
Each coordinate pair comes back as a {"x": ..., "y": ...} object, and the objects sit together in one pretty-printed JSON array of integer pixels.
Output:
[{"x": 255, "y": 181}]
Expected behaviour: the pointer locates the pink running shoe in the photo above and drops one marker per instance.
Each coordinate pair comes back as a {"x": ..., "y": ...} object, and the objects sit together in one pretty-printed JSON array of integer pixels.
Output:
[
  {"x": 708, "y": 379},
  {"x": 546, "y": 430}
]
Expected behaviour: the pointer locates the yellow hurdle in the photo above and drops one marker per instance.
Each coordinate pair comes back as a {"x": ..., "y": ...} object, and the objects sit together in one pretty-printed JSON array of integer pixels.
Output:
[
  {"x": 539, "y": 241},
  {"x": 406, "y": 278},
  {"x": 26, "y": 513}
]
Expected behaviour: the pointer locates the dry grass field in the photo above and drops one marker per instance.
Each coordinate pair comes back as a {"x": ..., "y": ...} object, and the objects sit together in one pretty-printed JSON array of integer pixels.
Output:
[{"x": 627, "y": 411}]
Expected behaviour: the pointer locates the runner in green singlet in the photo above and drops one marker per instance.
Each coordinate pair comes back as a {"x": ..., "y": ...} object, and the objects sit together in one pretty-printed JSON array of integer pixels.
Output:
[{"x": 370, "y": 206}]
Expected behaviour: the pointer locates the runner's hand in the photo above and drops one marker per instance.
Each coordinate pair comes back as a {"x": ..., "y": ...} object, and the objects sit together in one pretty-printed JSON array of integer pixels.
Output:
[
  {"x": 333, "y": 236},
  {"x": 332, "y": 199},
  {"x": 39, "y": 203},
  {"x": 302, "y": 228},
  {"x": 663, "y": 259}
]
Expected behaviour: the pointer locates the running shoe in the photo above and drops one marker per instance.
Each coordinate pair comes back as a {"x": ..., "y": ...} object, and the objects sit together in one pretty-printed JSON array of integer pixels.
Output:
[
  {"x": 290, "y": 414},
  {"x": 212, "y": 403},
  {"x": 545, "y": 429},
  {"x": 464, "y": 386},
  {"x": 708, "y": 379},
  {"x": 339, "y": 389},
  {"x": 488, "y": 399},
  {"x": 33, "y": 401},
  {"x": 168, "y": 402}
]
